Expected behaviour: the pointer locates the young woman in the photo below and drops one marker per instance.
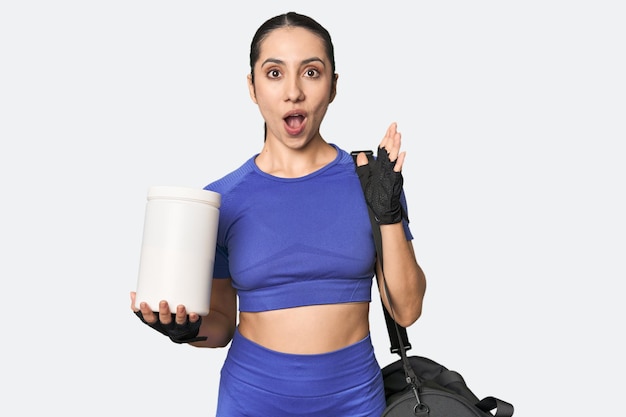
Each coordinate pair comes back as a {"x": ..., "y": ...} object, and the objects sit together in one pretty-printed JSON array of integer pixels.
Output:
[{"x": 295, "y": 246}]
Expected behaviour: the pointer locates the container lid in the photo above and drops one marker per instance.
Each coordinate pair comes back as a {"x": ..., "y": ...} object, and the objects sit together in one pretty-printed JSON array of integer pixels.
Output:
[{"x": 185, "y": 193}]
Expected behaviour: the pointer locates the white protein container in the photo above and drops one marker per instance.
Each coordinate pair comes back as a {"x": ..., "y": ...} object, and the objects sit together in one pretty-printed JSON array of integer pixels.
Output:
[{"x": 178, "y": 248}]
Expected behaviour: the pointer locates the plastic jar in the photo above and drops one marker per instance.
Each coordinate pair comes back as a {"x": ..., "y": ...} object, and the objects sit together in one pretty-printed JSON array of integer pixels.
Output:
[{"x": 178, "y": 248}]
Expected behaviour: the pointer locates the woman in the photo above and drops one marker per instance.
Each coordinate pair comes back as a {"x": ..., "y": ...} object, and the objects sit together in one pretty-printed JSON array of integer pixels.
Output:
[{"x": 295, "y": 245}]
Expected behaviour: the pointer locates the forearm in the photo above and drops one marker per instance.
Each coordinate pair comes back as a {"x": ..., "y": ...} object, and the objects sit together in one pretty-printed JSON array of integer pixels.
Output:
[
  {"x": 405, "y": 278},
  {"x": 218, "y": 328},
  {"x": 219, "y": 325}
]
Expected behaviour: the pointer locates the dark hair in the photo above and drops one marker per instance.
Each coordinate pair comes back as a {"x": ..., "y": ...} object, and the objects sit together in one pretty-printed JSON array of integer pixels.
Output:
[{"x": 290, "y": 19}]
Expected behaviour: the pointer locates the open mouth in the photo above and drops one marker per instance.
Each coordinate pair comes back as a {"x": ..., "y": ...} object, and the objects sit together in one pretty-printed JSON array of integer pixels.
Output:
[{"x": 294, "y": 121}]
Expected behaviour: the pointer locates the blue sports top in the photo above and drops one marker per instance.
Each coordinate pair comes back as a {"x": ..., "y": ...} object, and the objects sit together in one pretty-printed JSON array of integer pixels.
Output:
[{"x": 289, "y": 242}]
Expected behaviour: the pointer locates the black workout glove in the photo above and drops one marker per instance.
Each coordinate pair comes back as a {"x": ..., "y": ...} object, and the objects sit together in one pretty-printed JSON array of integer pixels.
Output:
[
  {"x": 178, "y": 333},
  {"x": 382, "y": 187}
]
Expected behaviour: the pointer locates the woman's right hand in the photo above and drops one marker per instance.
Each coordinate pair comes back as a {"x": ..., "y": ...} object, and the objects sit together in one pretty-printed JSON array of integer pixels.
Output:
[{"x": 180, "y": 327}]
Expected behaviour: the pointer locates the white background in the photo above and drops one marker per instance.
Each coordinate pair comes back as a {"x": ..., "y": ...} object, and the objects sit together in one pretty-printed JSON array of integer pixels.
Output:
[{"x": 513, "y": 118}]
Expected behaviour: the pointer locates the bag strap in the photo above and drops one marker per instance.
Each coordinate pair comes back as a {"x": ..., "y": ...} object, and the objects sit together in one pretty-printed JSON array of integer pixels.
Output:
[
  {"x": 397, "y": 334},
  {"x": 393, "y": 328},
  {"x": 503, "y": 408},
  {"x": 400, "y": 343}
]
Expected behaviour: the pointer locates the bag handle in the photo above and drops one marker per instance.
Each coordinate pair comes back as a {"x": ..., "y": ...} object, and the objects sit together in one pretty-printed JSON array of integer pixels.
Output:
[
  {"x": 503, "y": 408},
  {"x": 399, "y": 339},
  {"x": 397, "y": 334},
  {"x": 400, "y": 344}
]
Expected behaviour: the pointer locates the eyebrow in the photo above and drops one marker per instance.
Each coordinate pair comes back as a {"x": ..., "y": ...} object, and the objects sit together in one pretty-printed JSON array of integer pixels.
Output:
[{"x": 304, "y": 62}]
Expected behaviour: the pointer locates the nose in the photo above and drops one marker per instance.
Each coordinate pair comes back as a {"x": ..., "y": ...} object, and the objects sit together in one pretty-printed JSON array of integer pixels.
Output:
[{"x": 293, "y": 90}]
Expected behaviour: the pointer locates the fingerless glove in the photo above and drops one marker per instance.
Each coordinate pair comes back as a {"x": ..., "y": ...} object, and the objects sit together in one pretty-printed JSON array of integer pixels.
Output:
[
  {"x": 382, "y": 187},
  {"x": 178, "y": 333}
]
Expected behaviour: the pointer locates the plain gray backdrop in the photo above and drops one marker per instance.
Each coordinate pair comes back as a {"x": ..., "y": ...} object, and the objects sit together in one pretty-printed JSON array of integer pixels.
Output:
[{"x": 513, "y": 119}]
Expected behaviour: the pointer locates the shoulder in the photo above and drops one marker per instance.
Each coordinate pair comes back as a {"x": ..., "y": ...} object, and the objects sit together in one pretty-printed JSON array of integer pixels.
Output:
[
  {"x": 233, "y": 178},
  {"x": 343, "y": 157}
]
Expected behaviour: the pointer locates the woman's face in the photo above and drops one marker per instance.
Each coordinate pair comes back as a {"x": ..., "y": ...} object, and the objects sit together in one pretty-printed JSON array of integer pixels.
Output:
[{"x": 293, "y": 85}]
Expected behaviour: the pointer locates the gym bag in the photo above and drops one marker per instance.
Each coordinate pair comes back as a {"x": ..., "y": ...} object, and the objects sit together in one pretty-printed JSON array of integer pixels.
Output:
[
  {"x": 420, "y": 387},
  {"x": 435, "y": 391}
]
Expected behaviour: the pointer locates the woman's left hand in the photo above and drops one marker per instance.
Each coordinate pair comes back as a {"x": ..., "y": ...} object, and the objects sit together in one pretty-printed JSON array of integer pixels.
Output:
[
  {"x": 391, "y": 142},
  {"x": 381, "y": 178}
]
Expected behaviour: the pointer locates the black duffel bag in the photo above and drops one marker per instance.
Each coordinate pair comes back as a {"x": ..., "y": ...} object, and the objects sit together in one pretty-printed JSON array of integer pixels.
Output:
[
  {"x": 420, "y": 387},
  {"x": 434, "y": 391}
]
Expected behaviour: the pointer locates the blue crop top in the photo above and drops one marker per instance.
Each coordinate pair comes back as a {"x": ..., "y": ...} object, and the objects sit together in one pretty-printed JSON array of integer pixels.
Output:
[{"x": 289, "y": 242}]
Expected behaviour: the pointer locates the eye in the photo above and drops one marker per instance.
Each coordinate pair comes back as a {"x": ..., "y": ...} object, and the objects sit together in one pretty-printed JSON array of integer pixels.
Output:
[
  {"x": 312, "y": 73},
  {"x": 274, "y": 73}
]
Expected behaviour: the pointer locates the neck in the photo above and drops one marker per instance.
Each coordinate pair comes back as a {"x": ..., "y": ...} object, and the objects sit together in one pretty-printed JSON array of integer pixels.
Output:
[{"x": 285, "y": 162}]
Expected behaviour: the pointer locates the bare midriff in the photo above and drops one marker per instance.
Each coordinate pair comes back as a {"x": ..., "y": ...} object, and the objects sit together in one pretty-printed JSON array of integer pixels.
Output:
[{"x": 308, "y": 329}]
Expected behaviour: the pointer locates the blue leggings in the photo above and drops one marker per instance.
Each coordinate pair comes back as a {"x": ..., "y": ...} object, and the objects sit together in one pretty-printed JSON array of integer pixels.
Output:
[{"x": 259, "y": 382}]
